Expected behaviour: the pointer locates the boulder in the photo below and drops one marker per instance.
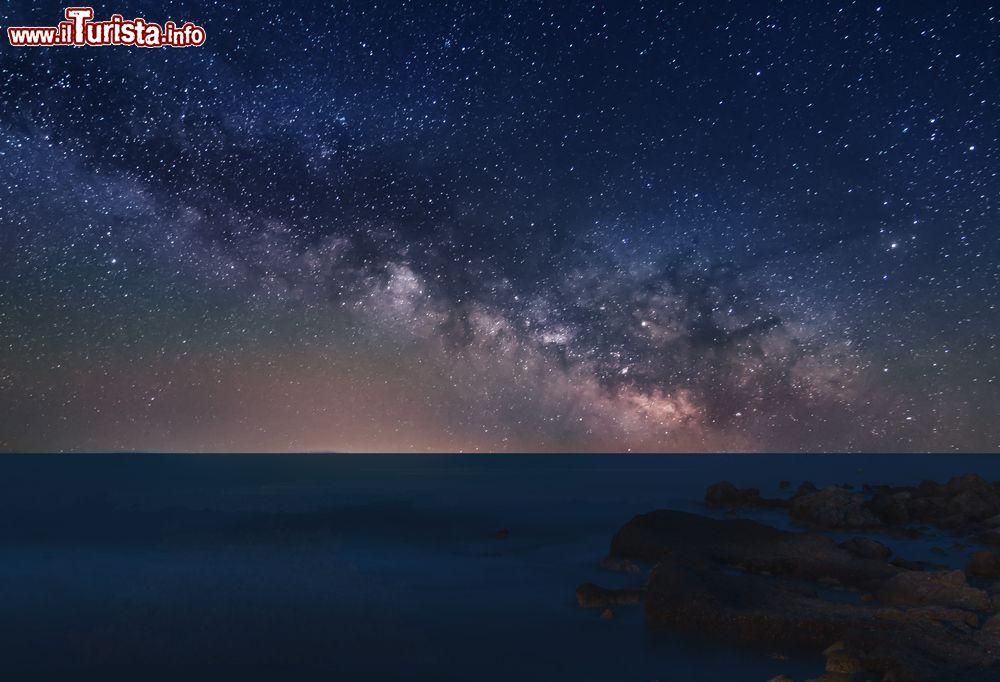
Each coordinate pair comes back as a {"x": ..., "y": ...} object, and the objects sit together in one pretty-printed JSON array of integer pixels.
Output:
[
  {"x": 984, "y": 565},
  {"x": 892, "y": 508},
  {"x": 867, "y": 548},
  {"x": 942, "y": 588},
  {"x": 833, "y": 508}
]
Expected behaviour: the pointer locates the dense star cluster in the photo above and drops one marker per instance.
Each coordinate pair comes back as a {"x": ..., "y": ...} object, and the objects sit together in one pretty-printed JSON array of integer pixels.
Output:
[{"x": 505, "y": 226}]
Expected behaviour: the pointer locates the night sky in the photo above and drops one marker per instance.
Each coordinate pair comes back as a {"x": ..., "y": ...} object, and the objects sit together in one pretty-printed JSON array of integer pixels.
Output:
[{"x": 496, "y": 226}]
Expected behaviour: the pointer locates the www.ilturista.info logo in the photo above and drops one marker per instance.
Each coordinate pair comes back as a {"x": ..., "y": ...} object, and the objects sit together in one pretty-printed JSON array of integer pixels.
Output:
[{"x": 80, "y": 30}]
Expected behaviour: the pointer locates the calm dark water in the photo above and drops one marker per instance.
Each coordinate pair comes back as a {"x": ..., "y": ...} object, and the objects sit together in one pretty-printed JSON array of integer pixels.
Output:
[{"x": 333, "y": 567}]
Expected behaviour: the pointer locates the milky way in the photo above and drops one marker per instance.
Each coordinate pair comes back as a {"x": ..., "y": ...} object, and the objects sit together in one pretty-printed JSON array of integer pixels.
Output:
[{"x": 505, "y": 226}]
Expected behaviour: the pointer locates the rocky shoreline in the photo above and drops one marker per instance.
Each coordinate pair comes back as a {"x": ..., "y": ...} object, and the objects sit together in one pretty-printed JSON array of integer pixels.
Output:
[{"x": 874, "y": 616}]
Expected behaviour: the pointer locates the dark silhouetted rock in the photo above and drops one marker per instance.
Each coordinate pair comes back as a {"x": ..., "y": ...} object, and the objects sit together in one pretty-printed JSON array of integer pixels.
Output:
[
  {"x": 930, "y": 614},
  {"x": 984, "y": 565},
  {"x": 591, "y": 596},
  {"x": 805, "y": 488},
  {"x": 944, "y": 588},
  {"x": 746, "y": 607},
  {"x": 738, "y": 579},
  {"x": 833, "y": 508},
  {"x": 867, "y": 548},
  {"x": 892, "y": 508},
  {"x": 620, "y": 565},
  {"x": 752, "y": 546},
  {"x": 726, "y": 495},
  {"x": 965, "y": 504},
  {"x": 909, "y": 565}
]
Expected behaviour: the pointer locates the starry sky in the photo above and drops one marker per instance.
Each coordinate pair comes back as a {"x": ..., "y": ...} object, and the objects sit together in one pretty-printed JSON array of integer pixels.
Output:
[{"x": 505, "y": 226}]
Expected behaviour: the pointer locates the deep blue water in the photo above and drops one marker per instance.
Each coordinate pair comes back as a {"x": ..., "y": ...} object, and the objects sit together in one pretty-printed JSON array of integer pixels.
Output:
[{"x": 334, "y": 567}]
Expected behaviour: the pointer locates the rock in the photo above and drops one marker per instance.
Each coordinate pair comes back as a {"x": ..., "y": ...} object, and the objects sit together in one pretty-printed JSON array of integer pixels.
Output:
[
  {"x": 892, "y": 508},
  {"x": 591, "y": 596},
  {"x": 727, "y": 495},
  {"x": 620, "y": 565},
  {"x": 805, "y": 488},
  {"x": 984, "y": 565},
  {"x": 946, "y": 588},
  {"x": 607, "y": 614},
  {"x": 840, "y": 660},
  {"x": 752, "y": 609},
  {"x": 962, "y": 504},
  {"x": 781, "y": 678},
  {"x": 749, "y": 608},
  {"x": 833, "y": 508},
  {"x": 921, "y": 652},
  {"x": 742, "y": 580},
  {"x": 969, "y": 483},
  {"x": 752, "y": 546},
  {"x": 867, "y": 548},
  {"x": 993, "y": 624},
  {"x": 908, "y": 565},
  {"x": 930, "y": 614}
]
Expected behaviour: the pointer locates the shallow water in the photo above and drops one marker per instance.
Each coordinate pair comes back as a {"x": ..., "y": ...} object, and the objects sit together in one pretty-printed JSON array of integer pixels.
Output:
[{"x": 367, "y": 567}]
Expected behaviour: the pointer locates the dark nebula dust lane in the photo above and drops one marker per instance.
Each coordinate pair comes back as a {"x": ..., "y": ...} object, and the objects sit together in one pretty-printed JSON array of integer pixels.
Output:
[{"x": 505, "y": 226}]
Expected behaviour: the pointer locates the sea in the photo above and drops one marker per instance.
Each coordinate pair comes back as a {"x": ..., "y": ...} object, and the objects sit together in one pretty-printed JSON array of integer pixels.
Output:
[{"x": 372, "y": 567}]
